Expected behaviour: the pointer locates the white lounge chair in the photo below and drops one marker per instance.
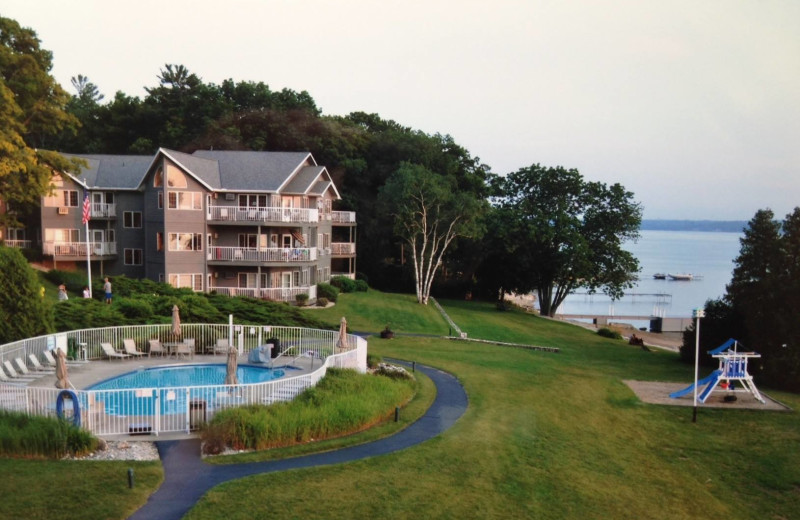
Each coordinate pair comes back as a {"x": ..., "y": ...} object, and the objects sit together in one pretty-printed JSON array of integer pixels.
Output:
[
  {"x": 156, "y": 347},
  {"x": 38, "y": 366},
  {"x": 5, "y": 379},
  {"x": 109, "y": 351},
  {"x": 185, "y": 349},
  {"x": 23, "y": 369},
  {"x": 13, "y": 373},
  {"x": 48, "y": 357},
  {"x": 222, "y": 346},
  {"x": 130, "y": 348}
]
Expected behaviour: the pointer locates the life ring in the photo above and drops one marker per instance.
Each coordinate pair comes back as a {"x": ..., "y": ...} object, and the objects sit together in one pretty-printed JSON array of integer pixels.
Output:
[{"x": 76, "y": 406}]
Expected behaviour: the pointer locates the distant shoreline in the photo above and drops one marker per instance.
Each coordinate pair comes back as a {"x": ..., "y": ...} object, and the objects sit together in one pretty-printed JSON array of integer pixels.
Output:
[{"x": 718, "y": 226}]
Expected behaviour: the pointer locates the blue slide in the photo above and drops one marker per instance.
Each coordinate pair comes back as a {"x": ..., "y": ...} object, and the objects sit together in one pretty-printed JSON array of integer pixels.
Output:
[{"x": 709, "y": 380}]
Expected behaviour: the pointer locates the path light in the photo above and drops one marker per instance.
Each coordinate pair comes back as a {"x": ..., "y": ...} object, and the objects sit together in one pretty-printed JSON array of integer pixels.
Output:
[{"x": 697, "y": 314}]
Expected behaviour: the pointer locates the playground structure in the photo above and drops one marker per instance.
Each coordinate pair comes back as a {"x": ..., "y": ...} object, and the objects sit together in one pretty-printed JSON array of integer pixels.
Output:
[{"x": 732, "y": 368}]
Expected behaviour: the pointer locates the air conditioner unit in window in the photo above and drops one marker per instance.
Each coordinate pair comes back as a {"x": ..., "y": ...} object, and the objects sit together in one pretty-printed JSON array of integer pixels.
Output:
[{"x": 63, "y": 210}]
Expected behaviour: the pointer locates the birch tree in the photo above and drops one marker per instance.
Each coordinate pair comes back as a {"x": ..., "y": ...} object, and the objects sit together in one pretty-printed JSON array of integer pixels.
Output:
[{"x": 429, "y": 213}]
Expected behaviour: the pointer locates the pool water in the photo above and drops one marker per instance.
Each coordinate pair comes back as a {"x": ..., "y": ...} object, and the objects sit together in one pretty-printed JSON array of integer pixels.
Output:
[
  {"x": 159, "y": 389},
  {"x": 187, "y": 375}
]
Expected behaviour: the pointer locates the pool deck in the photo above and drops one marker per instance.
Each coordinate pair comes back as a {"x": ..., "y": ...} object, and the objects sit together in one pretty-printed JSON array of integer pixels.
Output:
[{"x": 83, "y": 375}]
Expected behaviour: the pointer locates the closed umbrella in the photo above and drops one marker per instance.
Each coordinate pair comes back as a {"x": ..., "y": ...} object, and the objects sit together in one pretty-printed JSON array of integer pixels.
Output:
[
  {"x": 230, "y": 377},
  {"x": 342, "y": 341},
  {"x": 176, "y": 321},
  {"x": 61, "y": 370}
]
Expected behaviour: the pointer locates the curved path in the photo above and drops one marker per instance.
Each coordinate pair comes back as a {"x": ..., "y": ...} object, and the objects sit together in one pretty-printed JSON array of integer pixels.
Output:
[{"x": 187, "y": 477}]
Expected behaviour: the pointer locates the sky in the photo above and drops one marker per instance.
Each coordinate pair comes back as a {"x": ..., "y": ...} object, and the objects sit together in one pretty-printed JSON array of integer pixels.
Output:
[{"x": 694, "y": 106}]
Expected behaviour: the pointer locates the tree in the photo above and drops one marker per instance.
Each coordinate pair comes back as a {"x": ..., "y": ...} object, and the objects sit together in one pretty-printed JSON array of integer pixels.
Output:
[
  {"x": 429, "y": 213},
  {"x": 32, "y": 113},
  {"x": 567, "y": 233},
  {"x": 23, "y": 310}
]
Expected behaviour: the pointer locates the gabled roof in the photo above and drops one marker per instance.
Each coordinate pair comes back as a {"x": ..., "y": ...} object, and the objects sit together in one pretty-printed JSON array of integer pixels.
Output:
[
  {"x": 204, "y": 170},
  {"x": 121, "y": 172},
  {"x": 304, "y": 179},
  {"x": 255, "y": 171}
]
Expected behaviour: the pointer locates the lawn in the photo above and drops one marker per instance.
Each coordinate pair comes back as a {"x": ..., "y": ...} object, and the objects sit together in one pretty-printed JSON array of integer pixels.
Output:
[{"x": 548, "y": 436}]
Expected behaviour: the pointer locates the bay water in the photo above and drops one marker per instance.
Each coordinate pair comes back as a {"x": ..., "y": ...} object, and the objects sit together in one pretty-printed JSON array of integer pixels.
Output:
[{"x": 708, "y": 256}]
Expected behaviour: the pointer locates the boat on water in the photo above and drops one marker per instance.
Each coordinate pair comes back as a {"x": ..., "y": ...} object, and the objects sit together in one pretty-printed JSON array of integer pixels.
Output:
[
  {"x": 660, "y": 276},
  {"x": 681, "y": 276}
]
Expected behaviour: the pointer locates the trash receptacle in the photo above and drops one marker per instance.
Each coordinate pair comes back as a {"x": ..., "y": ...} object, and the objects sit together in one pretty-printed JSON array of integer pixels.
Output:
[
  {"x": 276, "y": 346},
  {"x": 197, "y": 414}
]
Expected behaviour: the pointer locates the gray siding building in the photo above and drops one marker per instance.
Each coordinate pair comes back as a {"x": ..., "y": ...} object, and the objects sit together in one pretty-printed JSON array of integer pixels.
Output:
[{"x": 258, "y": 224}]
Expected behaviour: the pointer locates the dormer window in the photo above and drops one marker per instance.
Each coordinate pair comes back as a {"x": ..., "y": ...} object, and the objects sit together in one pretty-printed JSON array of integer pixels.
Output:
[{"x": 158, "y": 178}]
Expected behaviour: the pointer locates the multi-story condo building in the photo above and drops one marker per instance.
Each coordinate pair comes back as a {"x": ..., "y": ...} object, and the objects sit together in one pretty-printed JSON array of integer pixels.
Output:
[{"x": 240, "y": 223}]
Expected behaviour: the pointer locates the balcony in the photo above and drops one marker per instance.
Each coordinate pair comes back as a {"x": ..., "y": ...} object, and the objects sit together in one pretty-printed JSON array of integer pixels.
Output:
[
  {"x": 102, "y": 210},
  {"x": 343, "y": 249},
  {"x": 19, "y": 244},
  {"x": 263, "y": 215},
  {"x": 77, "y": 250},
  {"x": 343, "y": 217},
  {"x": 278, "y": 294},
  {"x": 261, "y": 256}
]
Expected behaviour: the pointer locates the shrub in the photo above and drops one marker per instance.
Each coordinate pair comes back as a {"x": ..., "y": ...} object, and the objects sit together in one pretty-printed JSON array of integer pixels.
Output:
[
  {"x": 362, "y": 286},
  {"x": 136, "y": 310},
  {"x": 373, "y": 360},
  {"x": 322, "y": 302},
  {"x": 25, "y": 313},
  {"x": 326, "y": 290},
  {"x": 343, "y": 402},
  {"x": 609, "y": 333},
  {"x": 43, "y": 437},
  {"x": 302, "y": 299},
  {"x": 344, "y": 284}
]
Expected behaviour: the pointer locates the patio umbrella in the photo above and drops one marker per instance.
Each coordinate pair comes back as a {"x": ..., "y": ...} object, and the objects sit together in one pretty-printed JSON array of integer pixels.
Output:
[
  {"x": 176, "y": 321},
  {"x": 342, "y": 341},
  {"x": 61, "y": 370},
  {"x": 230, "y": 377}
]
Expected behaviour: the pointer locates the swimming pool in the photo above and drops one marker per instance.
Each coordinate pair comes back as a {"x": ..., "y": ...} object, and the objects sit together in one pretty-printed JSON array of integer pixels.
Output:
[
  {"x": 173, "y": 390},
  {"x": 187, "y": 375}
]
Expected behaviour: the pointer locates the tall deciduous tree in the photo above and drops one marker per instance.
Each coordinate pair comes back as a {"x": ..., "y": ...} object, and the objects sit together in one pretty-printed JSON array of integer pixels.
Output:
[
  {"x": 23, "y": 311},
  {"x": 566, "y": 233},
  {"x": 32, "y": 113},
  {"x": 429, "y": 212}
]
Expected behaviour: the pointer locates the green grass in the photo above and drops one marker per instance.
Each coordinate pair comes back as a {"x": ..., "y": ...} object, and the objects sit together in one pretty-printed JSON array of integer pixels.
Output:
[
  {"x": 371, "y": 311},
  {"x": 549, "y": 436}
]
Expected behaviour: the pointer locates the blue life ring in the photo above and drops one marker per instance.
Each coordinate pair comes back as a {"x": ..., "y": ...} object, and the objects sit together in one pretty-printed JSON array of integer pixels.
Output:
[{"x": 76, "y": 406}]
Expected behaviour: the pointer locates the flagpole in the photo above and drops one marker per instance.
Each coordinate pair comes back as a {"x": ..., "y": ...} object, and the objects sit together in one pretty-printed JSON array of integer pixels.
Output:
[{"x": 86, "y": 216}]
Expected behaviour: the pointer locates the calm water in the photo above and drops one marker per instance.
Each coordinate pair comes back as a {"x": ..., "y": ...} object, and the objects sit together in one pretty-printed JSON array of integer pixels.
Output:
[
  {"x": 708, "y": 256},
  {"x": 188, "y": 375}
]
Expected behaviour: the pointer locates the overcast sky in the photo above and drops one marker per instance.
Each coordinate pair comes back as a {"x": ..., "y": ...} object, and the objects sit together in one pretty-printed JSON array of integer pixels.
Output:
[{"x": 692, "y": 105}]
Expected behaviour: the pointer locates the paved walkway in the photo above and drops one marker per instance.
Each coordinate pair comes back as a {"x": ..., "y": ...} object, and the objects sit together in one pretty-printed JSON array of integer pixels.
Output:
[{"x": 187, "y": 477}]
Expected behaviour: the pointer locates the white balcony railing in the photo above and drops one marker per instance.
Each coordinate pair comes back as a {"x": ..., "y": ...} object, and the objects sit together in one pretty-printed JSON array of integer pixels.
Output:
[
  {"x": 278, "y": 294},
  {"x": 102, "y": 210},
  {"x": 79, "y": 248},
  {"x": 272, "y": 254},
  {"x": 343, "y": 248},
  {"x": 19, "y": 244},
  {"x": 343, "y": 217},
  {"x": 263, "y": 214}
]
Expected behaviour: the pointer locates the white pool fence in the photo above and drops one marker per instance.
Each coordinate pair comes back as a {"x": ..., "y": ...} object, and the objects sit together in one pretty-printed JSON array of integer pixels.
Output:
[{"x": 179, "y": 409}]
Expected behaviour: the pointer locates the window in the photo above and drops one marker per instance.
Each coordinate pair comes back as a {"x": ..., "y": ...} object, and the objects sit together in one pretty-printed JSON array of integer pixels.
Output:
[
  {"x": 185, "y": 242},
  {"x": 185, "y": 200},
  {"x": 133, "y": 257},
  {"x": 158, "y": 178},
  {"x": 175, "y": 179},
  {"x": 248, "y": 240},
  {"x": 253, "y": 201},
  {"x": 160, "y": 200},
  {"x": 159, "y": 241},
  {"x": 70, "y": 198},
  {"x": 194, "y": 281},
  {"x": 62, "y": 235},
  {"x": 132, "y": 219}
]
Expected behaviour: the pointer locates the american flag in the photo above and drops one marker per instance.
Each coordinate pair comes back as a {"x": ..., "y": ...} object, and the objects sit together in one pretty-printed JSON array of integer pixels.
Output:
[{"x": 86, "y": 210}]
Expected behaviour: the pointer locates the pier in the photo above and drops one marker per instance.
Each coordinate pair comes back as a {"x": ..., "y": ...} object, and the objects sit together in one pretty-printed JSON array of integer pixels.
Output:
[{"x": 657, "y": 323}]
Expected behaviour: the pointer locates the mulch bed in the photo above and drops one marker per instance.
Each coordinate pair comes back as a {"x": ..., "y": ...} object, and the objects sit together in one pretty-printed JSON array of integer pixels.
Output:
[{"x": 656, "y": 392}]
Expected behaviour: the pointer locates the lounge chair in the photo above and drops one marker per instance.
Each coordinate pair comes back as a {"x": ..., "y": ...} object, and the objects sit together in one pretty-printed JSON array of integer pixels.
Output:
[
  {"x": 13, "y": 373},
  {"x": 156, "y": 347},
  {"x": 23, "y": 369},
  {"x": 222, "y": 346},
  {"x": 185, "y": 349},
  {"x": 38, "y": 366},
  {"x": 130, "y": 348},
  {"x": 109, "y": 351},
  {"x": 48, "y": 357},
  {"x": 5, "y": 379}
]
